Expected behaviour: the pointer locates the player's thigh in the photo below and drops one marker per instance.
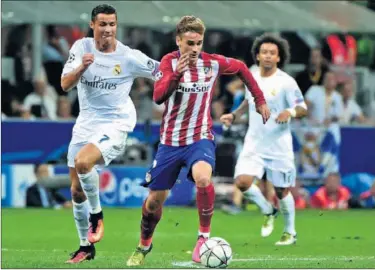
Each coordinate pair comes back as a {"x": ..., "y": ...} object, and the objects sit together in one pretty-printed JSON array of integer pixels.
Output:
[
  {"x": 200, "y": 161},
  {"x": 156, "y": 199},
  {"x": 165, "y": 168},
  {"x": 109, "y": 143},
  {"x": 282, "y": 178},
  {"x": 249, "y": 164}
]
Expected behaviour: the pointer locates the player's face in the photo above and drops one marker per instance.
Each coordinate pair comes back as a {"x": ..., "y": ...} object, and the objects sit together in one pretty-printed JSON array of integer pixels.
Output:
[
  {"x": 268, "y": 56},
  {"x": 104, "y": 27},
  {"x": 190, "y": 42}
]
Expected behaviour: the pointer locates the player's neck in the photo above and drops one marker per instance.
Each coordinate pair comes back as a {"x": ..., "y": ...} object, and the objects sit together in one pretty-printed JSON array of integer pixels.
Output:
[
  {"x": 111, "y": 47},
  {"x": 267, "y": 72}
]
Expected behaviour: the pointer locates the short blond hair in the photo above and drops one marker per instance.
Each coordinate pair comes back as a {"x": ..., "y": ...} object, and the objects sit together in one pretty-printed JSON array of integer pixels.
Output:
[{"x": 190, "y": 24}]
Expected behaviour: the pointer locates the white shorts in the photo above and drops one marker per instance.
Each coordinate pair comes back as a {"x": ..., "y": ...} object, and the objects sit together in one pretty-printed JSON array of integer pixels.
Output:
[
  {"x": 280, "y": 173},
  {"x": 110, "y": 141}
]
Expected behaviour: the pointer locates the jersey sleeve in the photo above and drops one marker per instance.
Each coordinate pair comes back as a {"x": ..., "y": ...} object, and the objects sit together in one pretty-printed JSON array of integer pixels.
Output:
[
  {"x": 75, "y": 57},
  {"x": 166, "y": 80},
  {"x": 294, "y": 95},
  {"x": 142, "y": 65}
]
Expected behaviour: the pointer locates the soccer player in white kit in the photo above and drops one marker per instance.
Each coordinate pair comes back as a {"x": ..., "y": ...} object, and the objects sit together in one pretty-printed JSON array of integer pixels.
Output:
[
  {"x": 104, "y": 70},
  {"x": 268, "y": 147}
]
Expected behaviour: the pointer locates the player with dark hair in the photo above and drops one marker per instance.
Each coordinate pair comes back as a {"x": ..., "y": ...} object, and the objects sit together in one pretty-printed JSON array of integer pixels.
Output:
[
  {"x": 104, "y": 70},
  {"x": 185, "y": 85},
  {"x": 268, "y": 148}
]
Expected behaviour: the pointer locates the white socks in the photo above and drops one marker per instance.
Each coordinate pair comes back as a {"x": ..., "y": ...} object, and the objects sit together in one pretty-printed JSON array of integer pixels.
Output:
[
  {"x": 81, "y": 218},
  {"x": 254, "y": 194},
  {"x": 90, "y": 185},
  {"x": 204, "y": 234},
  {"x": 288, "y": 209}
]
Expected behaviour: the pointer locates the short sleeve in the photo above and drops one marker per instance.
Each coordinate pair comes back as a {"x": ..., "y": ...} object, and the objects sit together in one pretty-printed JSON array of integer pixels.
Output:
[
  {"x": 142, "y": 65},
  {"x": 293, "y": 94},
  {"x": 75, "y": 57}
]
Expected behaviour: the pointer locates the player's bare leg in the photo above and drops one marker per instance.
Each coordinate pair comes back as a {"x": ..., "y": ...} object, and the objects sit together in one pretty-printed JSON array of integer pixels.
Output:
[
  {"x": 85, "y": 160},
  {"x": 287, "y": 207},
  {"x": 152, "y": 209},
  {"x": 252, "y": 192},
  {"x": 202, "y": 172},
  {"x": 86, "y": 250}
]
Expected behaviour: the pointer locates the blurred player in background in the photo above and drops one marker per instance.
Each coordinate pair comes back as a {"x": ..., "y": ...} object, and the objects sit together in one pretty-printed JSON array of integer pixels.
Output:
[
  {"x": 268, "y": 148},
  {"x": 103, "y": 69},
  {"x": 185, "y": 85}
]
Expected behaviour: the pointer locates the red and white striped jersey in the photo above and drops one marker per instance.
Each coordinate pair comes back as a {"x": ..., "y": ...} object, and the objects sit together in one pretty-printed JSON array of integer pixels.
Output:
[{"x": 188, "y": 96}]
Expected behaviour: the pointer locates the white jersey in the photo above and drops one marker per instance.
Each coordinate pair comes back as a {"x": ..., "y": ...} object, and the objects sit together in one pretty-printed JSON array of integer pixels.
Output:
[
  {"x": 273, "y": 141},
  {"x": 103, "y": 89}
]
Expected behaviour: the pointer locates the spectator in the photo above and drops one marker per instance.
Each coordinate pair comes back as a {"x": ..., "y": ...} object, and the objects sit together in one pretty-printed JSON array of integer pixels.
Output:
[
  {"x": 352, "y": 112},
  {"x": 300, "y": 195},
  {"x": 39, "y": 103},
  {"x": 218, "y": 105},
  {"x": 324, "y": 102},
  {"x": 38, "y": 195},
  {"x": 64, "y": 109},
  {"x": 142, "y": 98},
  {"x": 314, "y": 72},
  {"x": 332, "y": 195},
  {"x": 55, "y": 53}
]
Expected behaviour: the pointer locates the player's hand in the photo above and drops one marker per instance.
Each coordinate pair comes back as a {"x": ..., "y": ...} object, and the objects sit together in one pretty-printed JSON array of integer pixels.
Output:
[
  {"x": 183, "y": 63},
  {"x": 227, "y": 119},
  {"x": 283, "y": 117},
  {"x": 87, "y": 60},
  {"x": 264, "y": 111}
]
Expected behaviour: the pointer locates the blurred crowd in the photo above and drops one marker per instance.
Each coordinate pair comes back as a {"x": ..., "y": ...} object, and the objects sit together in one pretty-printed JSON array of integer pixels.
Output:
[
  {"x": 354, "y": 191},
  {"x": 328, "y": 80}
]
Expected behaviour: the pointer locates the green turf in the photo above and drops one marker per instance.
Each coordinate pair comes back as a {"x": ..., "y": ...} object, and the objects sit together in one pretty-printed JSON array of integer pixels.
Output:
[{"x": 44, "y": 239}]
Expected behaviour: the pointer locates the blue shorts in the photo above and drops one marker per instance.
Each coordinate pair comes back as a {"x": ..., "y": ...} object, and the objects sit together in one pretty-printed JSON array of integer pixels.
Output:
[{"x": 169, "y": 161}]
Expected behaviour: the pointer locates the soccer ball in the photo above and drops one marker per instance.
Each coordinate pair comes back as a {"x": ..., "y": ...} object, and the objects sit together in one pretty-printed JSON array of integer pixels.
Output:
[{"x": 215, "y": 253}]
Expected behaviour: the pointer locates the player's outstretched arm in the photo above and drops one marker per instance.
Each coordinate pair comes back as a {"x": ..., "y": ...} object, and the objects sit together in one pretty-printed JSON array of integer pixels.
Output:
[
  {"x": 231, "y": 66},
  {"x": 229, "y": 118},
  {"x": 167, "y": 80}
]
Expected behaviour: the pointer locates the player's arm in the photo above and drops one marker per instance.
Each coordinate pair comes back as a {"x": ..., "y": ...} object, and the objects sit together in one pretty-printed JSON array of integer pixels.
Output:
[
  {"x": 230, "y": 118},
  {"x": 76, "y": 65},
  {"x": 143, "y": 66},
  {"x": 231, "y": 66},
  {"x": 167, "y": 80},
  {"x": 297, "y": 106}
]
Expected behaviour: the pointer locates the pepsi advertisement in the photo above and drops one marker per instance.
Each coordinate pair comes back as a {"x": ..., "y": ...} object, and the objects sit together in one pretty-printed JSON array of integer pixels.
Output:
[{"x": 120, "y": 187}]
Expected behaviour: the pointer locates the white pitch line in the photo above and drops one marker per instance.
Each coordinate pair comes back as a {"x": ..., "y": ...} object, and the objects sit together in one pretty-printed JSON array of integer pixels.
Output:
[{"x": 270, "y": 258}]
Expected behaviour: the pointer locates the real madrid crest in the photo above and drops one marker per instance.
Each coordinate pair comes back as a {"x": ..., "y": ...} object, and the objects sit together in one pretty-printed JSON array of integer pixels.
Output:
[{"x": 117, "y": 70}]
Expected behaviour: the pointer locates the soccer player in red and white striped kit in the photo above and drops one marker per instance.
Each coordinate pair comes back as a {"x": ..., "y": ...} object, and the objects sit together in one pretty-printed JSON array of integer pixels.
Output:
[{"x": 185, "y": 84}]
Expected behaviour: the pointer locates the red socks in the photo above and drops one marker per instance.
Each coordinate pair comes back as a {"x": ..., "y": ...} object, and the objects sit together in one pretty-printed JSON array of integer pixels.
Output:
[
  {"x": 148, "y": 224},
  {"x": 205, "y": 204}
]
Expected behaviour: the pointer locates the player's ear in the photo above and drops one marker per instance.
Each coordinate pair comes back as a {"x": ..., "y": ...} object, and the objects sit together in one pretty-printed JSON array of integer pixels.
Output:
[
  {"x": 92, "y": 25},
  {"x": 278, "y": 59},
  {"x": 178, "y": 40},
  {"x": 258, "y": 57}
]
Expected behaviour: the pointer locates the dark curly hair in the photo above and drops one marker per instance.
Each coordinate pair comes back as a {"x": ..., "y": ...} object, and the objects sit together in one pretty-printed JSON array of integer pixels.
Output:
[{"x": 281, "y": 43}]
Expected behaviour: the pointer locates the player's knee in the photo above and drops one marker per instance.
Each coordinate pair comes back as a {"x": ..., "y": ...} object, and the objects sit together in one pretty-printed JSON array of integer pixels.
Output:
[
  {"x": 153, "y": 205},
  {"x": 78, "y": 195},
  {"x": 82, "y": 165},
  {"x": 202, "y": 180},
  {"x": 243, "y": 183},
  {"x": 281, "y": 192}
]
